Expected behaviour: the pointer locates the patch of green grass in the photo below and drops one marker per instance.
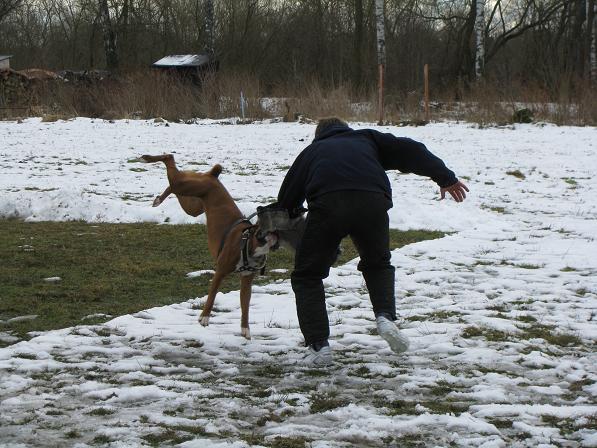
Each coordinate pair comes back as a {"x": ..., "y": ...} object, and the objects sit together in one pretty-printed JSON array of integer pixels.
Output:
[
  {"x": 270, "y": 370},
  {"x": 362, "y": 371},
  {"x": 500, "y": 308},
  {"x": 496, "y": 208},
  {"x": 440, "y": 388},
  {"x": 193, "y": 344},
  {"x": 116, "y": 269},
  {"x": 167, "y": 436},
  {"x": 516, "y": 173},
  {"x": 326, "y": 402},
  {"x": 445, "y": 407},
  {"x": 528, "y": 266},
  {"x": 270, "y": 417},
  {"x": 501, "y": 423},
  {"x": 565, "y": 425},
  {"x": 101, "y": 439},
  {"x": 570, "y": 181},
  {"x": 399, "y": 407},
  {"x": 197, "y": 430},
  {"x": 577, "y": 386},
  {"x": 436, "y": 406},
  {"x": 72, "y": 434},
  {"x": 173, "y": 412},
  {"x": 568, "y": 269},
  {"x": 488, "y": 333},
  {"x": 288, "y": 442},
  {"x": 540, "y": 331},
  {"x": 443, "y": 315},
  {"x": 100, "y": 412}
]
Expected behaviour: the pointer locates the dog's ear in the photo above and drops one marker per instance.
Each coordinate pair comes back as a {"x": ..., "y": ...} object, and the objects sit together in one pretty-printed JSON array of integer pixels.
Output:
[{"x": 216, "y": 170}]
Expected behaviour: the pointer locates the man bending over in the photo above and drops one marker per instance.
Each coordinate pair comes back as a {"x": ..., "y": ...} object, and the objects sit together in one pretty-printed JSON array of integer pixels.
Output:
[{"x": 342, "y": 176}]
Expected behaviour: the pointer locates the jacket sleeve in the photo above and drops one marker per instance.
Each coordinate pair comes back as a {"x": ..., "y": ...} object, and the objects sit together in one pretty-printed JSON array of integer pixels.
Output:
[
  {"x": 292, "y": 192},
  {"x": 410, "y": 156}
]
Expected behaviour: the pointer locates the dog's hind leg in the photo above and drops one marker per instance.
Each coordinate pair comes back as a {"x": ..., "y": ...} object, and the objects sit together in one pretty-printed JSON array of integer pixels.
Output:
[
  {"x": 161, "y": 158},
  {"x": 245, "y": 298},
  {"x": 172, "y": 171},
  {"x": 211, "y": 297}
]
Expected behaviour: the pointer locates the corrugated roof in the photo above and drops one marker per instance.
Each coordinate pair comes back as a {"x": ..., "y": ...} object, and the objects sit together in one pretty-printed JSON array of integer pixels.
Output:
[
  {"x": 183, "y": 60},
  {"x": 3, "y": 56}
]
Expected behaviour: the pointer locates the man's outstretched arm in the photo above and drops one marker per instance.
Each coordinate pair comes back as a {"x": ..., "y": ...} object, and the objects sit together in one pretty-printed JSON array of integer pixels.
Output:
[{"x": 410, "y": 156}]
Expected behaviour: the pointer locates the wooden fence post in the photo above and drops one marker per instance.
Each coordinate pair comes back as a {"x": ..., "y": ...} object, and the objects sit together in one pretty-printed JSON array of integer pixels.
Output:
[{"x": 426, "y": 76}]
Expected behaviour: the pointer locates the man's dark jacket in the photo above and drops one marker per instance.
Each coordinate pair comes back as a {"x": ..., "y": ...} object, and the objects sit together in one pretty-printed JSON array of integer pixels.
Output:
[{"x": 344, "y": 159}]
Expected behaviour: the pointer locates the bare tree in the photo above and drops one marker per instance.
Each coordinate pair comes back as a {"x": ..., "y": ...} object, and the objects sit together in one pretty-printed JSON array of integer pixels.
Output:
[
  {"x": 109, "y": 36},
  {"x": 8, "y": 6},
  {"x": 592, "y": 27}
]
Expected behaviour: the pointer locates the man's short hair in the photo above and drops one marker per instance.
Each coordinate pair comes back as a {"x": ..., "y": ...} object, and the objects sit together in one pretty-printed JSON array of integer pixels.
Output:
[{"x": 324, "y": 123}]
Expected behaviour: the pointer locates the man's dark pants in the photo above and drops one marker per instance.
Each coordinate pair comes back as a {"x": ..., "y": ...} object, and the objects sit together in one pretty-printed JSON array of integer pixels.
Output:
[{"x": 361, "y": 215}]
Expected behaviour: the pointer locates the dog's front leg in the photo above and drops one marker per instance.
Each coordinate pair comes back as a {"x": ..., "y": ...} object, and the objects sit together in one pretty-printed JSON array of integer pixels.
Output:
[
  {"x": 161, "y": 198},
  {"x": 245, "y": 298},
  {"x": 211, "y": 297}
]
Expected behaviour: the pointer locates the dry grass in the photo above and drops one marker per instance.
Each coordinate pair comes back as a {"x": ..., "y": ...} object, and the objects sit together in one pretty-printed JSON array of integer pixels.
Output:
[{"x": 154, "y": 94}]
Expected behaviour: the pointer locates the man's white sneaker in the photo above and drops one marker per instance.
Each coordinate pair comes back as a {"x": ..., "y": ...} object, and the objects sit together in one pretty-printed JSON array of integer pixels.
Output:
[
  {"x": 389, "y": 332},
  {"x": 321, "y": 358}
]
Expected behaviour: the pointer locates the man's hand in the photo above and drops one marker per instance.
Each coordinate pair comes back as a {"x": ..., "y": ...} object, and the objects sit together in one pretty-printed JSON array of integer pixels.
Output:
[{"x": 457, "y": 191}]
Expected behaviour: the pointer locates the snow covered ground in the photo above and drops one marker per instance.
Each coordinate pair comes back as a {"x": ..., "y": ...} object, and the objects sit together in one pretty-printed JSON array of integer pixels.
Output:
[{"x": 501, "y": 313}]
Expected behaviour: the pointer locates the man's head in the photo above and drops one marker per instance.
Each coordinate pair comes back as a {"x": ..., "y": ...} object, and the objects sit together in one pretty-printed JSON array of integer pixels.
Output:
[{"x": 325, "y": 123}]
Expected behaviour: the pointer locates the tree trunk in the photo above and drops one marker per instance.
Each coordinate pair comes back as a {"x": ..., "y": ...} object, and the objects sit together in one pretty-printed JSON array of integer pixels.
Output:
[
  {"x": 358, "y": 43},
  {"x": 593, "y": 51},
  {"x": 381, "y": 54},
  {"x": 109, "y": 36},
  {"x": 479, "y": 38},
  {"x": 209, "y": 27}
]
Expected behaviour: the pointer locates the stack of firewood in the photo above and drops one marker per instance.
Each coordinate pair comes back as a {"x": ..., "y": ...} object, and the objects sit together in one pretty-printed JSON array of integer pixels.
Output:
[{"x": 14, "y": 89}]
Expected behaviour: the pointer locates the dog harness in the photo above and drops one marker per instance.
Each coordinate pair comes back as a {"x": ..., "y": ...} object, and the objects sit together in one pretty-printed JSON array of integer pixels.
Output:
[{"x": 248, "y": 264}]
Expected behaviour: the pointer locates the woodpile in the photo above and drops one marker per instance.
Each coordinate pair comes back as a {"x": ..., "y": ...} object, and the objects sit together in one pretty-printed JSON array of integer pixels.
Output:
[
  {"x": 15, "y": 89},
  {"x": 39, "y": 74}
]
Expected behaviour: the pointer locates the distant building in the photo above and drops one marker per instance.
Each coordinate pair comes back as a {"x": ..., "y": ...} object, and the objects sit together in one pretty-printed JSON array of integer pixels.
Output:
[
  {"x": 187, "y": 65},
  {"x": 4, "y": 61}
]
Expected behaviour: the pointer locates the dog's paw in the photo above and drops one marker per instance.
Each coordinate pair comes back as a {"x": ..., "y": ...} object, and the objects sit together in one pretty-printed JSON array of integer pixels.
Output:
[
  {"x": 245, "y": 333},
  {"x": 157, "y": 201},
  {"x": 204, "y": 320}
]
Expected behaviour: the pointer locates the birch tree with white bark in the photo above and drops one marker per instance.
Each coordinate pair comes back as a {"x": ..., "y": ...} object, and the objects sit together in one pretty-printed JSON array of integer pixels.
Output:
[
  {"x": 479, "y": 38},
  {"x": 109, "y": 36},
  {"x": 381, "y": 52}
]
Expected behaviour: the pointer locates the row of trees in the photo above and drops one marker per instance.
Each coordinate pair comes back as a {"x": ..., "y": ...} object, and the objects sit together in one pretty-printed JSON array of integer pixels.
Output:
[{"x": 287, "y": 42}]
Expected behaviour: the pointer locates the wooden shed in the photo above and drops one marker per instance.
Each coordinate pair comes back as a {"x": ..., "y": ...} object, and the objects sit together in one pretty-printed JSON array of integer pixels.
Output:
[{"x": 192, "y": 66}]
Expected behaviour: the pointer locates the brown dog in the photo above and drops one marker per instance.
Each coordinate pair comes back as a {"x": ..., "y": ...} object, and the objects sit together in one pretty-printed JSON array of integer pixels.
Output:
[{"x": 203, "y": 192}]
